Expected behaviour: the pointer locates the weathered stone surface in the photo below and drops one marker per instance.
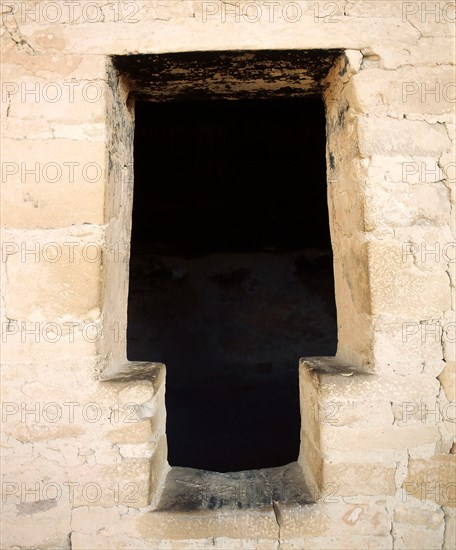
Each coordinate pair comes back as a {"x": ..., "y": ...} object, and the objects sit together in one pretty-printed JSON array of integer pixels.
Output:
[
  {"x": 58, "y": 280},
  {"x": 248, "y": 74},
  {"x": 189, "y": 490},
  {"x": 427, "y": 90},
  {"x": 33, "y": 525},
  {"x": 347, "y": 542},
  {"x": 59, "y": 184},
  {"x": 428, "y": 519},
  {"x": 333, "y": 518},
  {"x": 85, "y": 518},
  {"x": 118, "y": 211},
  {"x": 138, "y": 432},
  {"x": 402, "y": 346},
  {"x": 83, "y": 541},
  {"x": 450, "y": 528},
  {"x": 408, "y": 206},
  {"x": 136, "y": 370},
  {"x": 354, "y": 384},
  {"x": 251, "y": 523},
  {"x": 432, "y": 480},
  {"x": 401, "y": 289},
  {"x": 383, "y": 438},
  {"x": 391, "y": 182},
  {"x": 201, "y": 26},
  {"x": 388, "y": 136},
  {"x": 416, "y": 537},
  {"x": 354, "y": 478},
  {"x": 448, "y": 380}
]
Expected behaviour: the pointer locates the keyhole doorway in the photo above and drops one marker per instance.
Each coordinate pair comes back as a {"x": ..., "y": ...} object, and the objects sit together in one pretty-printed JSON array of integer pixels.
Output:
[{"x": 231, "y": 271}]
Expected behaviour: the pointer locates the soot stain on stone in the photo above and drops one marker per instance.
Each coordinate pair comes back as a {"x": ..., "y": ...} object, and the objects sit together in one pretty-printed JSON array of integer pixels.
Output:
[{"x": 220, "y": 74}]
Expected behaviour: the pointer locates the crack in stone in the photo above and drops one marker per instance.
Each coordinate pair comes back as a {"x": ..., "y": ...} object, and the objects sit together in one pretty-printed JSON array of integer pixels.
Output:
[
  {"x": 276, "y": 510},
  {"x": 275, "y": 507},
  {"x": 15, "y": 33}
]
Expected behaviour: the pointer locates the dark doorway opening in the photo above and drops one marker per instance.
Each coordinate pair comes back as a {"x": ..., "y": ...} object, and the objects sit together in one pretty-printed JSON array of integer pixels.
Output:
[{"x": 231, "y": 277}]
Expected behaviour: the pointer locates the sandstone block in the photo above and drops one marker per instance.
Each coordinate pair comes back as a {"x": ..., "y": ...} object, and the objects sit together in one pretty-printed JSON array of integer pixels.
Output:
[
  {"x": 427, "y": 90},
  {"x": 391, "y": 205},
  {"x": 407, "y": 169},
  {"x": 56, "y": 280},
  {"x": 383, "y": 438},
  {"x": 401, "y": 348},
  {"x": 125, "y": 483},
  {"x": 43, "y": 524},
  {"x": 333, "y": 519},
  {"x": 90, "y": 519},
  {"x": 432, "y": 20},
  {"x": 406, "y": 537},
  {"x": 354, "y": 478},
  {"x": 390, "y": 137},
  {"x": 335, "y": 386},
  {"x": 404, "y": 290},
  {"x": 448, "y": 380},
  {"x": 52, "y": 183},
  {"x": 428, "y": 519},
  {"x": 135, "y": 433},
  {"x": 52, "y": 68},
  {"x": 450, "y": 529},
  {"x": 174, "y": 526},
  {"x": 54, "y": 99},
  {"x": 432, "y": 480},
  {"x": 159, "y": 468},
  {"x": 347, "y": 542}
]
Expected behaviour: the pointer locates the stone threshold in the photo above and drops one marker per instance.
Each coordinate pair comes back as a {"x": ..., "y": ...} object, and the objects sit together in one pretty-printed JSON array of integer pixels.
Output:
[{"x": 190, "y": 490}]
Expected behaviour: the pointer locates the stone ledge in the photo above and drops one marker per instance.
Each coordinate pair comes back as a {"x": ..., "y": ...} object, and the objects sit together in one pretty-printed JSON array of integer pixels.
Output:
[
  {"x": 190, "y": 490},
  {"x": 330, "y": 365},
  {"x": 228, "y": 504},
  {"x": 135, "y": 370}
]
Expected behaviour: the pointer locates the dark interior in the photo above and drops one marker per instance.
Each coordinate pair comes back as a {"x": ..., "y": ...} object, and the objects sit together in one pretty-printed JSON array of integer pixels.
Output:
[{"x": 231, "y": 277}]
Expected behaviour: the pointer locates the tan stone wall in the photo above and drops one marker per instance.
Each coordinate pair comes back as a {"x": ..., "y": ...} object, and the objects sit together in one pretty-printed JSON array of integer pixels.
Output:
[{"x": 83, "y": 444}]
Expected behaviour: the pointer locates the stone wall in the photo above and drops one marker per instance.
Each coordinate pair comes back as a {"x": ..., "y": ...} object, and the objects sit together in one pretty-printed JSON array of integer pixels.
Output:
[{"x": 83, "y": 430}]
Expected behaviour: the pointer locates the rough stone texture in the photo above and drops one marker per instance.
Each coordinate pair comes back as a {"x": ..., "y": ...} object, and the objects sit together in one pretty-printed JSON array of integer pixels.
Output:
[
  {"x": 67, "y": 262},
  {"x": 450, "y": 528},
  {"x": 213, "y": 75},
  {"x": 36, "y": 191},
  {"x": 433, "y": 480},
  {"x": 188, "y": 490},
  {"x": 345, "y": 180},
  {"x": 383, "y": 474},
  {"x": 448, "y": 380},
  {"x": 118, "y": 213},
  {"x": 334, "y": 518}
]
